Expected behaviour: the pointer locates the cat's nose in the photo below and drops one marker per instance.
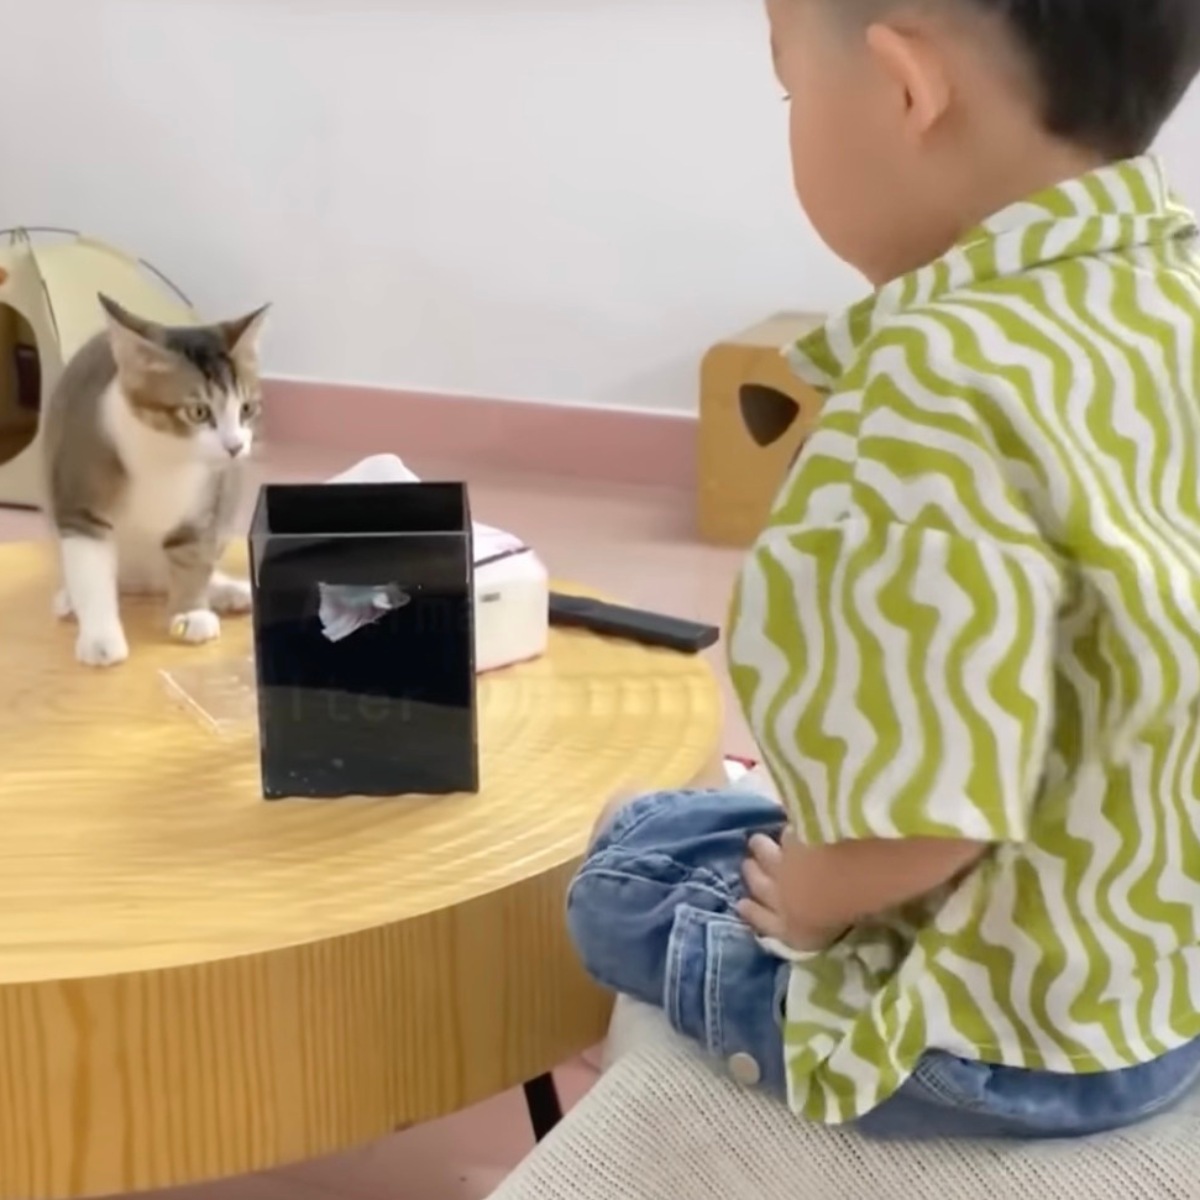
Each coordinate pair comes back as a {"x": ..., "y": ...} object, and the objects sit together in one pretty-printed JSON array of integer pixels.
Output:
[{"x": 235, "y": 446}]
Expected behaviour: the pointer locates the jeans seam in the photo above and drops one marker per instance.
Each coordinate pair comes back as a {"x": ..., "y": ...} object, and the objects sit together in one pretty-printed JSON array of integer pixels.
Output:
[
  {"x": 947, "y": 1094},
  {"x": 699, "y": 879},
  {"x": 714, "y": 1013},
  {"x": 718, "y": 891},
  {"x": 952, "y": 1097},
  {"x": 618, "y": 829},
  {"x": 672, "y": 985}
]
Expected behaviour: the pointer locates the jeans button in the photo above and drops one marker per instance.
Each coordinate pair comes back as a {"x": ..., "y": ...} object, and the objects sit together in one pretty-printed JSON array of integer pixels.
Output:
[{"x": 745, "y": 1069}]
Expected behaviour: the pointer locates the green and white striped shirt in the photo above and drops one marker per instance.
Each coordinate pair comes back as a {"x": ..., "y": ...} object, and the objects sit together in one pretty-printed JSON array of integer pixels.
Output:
[{"x": 975, "y": 613}]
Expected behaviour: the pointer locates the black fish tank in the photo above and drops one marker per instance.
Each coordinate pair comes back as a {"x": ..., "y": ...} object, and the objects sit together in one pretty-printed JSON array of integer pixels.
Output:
[{"x": 364, "y": 639}]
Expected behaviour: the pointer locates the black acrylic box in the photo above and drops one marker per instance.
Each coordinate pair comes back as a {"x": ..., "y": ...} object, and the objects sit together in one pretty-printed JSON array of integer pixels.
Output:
[{"x": 389, "y": 709}]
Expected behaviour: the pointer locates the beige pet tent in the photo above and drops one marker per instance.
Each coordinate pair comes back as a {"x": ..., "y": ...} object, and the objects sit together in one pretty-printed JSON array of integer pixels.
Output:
[{"x": 48, "y": 309}]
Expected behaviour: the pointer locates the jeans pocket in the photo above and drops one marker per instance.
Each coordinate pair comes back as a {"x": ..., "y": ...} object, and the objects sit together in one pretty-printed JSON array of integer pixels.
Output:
[
  {"x": 950, "y": 1082},
  {"x": 996, "y": 1101},
  {"x": 725, "y": 992}
]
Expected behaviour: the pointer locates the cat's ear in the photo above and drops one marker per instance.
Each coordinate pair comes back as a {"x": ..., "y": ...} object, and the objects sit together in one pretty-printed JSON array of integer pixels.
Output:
[
  {"x": 137, "y": 345},
  {"x": 242, "y": 337}
]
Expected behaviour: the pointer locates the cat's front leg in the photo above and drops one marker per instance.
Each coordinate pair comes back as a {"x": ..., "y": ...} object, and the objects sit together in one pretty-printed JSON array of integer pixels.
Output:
[
  {"x": 228, "y": 595},
  {"x": 89, "y": 566},
  {"x": 191, "y": 561}
]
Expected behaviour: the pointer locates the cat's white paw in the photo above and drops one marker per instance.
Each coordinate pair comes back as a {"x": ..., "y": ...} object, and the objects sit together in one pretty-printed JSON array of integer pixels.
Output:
[
  {"x": 61, "y": 606},
  {"x": 228, "y": 595},
  {"x": 196, "y": 627},
  {"x": 104, "y": 647}
]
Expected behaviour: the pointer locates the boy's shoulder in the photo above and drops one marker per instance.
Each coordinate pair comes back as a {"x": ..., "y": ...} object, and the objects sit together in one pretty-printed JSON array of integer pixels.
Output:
[
  {"x": 1059, "y": 331},
  {"x": 1049, "y": 337},
  {"x": 1107, "y": 261}
]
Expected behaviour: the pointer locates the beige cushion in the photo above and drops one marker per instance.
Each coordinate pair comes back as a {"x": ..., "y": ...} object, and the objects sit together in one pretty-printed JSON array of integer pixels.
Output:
[{"x": 662, "y": 1124}]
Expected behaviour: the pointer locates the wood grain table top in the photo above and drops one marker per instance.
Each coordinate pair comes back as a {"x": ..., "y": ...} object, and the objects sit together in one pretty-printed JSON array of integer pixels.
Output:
[{"x": 196, "y": 983}]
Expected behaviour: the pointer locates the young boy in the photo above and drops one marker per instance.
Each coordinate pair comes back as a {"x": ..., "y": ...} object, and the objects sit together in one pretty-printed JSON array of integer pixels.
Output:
[{"x": 968, "y": 642}]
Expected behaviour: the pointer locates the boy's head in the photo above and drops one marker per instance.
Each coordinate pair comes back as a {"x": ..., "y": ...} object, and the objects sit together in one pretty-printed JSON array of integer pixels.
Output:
[{"x": 912, "y": 120}]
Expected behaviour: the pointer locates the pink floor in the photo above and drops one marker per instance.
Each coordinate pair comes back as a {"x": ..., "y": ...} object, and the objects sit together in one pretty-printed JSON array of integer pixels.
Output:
[{"x": 636, "y": 543}]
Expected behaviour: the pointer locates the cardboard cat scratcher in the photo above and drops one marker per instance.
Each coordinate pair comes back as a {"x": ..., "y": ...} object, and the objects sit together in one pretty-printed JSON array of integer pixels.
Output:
[
  {"x": 754, "y": 416},
  {"x": 48, "y": 309}
]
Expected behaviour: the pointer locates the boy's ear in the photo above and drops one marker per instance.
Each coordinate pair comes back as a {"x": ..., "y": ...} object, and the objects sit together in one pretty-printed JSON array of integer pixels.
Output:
[
  {"x": 913, "y": 64},
  {"x": 767, "y": 412}
]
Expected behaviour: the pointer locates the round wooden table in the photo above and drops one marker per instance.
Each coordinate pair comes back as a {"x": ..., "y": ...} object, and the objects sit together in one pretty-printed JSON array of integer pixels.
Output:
[{"x": 195, "y": 983}]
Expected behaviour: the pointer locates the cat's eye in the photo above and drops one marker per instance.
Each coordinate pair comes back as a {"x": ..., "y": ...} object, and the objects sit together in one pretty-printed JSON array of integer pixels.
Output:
[
  {"x": 198, "y": 414},
  {"x": 249, "y": 409}
]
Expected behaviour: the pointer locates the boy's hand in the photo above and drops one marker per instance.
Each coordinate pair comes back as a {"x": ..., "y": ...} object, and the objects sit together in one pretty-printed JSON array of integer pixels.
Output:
[
  {"x": 775, "y": 906},
  {"x": 806, "y": 897}
]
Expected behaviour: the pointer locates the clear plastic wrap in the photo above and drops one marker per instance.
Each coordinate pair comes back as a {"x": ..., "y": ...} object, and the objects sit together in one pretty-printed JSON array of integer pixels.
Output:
[{"x": 220, "y": 695}]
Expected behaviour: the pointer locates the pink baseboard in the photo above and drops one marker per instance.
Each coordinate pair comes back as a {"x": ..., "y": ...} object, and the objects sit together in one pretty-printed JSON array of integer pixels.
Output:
[{"x": 611, "y": 445}]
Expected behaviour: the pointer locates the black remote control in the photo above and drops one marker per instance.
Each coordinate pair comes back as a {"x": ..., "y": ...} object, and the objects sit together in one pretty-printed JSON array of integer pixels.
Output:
[{"x": 632, "y": 624}]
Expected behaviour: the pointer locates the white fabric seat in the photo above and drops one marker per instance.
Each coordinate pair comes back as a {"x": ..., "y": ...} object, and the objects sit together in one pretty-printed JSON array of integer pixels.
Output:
[{"x": 661, "y": 1124}]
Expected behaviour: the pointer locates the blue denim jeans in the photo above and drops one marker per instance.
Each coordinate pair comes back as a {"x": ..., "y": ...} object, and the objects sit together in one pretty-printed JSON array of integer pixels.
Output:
[{"x": 652, "y": 916}]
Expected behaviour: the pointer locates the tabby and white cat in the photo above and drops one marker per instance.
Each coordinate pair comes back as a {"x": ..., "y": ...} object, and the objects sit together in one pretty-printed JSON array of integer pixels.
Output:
[{"x": 145, "y": 440}]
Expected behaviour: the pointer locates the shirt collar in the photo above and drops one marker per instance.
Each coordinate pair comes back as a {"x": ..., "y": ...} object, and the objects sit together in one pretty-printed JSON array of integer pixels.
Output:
[{"x": 1114, "y": 208}]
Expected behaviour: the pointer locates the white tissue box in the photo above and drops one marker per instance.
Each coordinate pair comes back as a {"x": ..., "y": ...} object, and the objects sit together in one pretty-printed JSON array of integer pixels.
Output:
[
  {"x": 512, "y": 587},
  {"x": 512, "y": 606}
]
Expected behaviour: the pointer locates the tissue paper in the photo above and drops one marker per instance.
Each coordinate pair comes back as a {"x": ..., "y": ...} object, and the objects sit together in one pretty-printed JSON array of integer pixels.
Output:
[
  {"x": 345, "y": 610},
  {"x": 512, "y": 586}
]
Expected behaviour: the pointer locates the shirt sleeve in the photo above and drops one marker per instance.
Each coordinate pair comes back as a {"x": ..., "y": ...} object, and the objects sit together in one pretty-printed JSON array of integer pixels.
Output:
[{"x": 898, "y": 646}]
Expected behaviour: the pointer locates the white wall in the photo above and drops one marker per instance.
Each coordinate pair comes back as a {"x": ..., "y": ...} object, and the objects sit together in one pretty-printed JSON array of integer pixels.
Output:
[{"x": 561, "y": 200}]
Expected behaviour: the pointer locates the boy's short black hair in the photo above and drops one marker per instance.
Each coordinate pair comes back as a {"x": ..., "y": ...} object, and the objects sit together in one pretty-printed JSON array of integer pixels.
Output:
[{"x": 1110, "y": 72}]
